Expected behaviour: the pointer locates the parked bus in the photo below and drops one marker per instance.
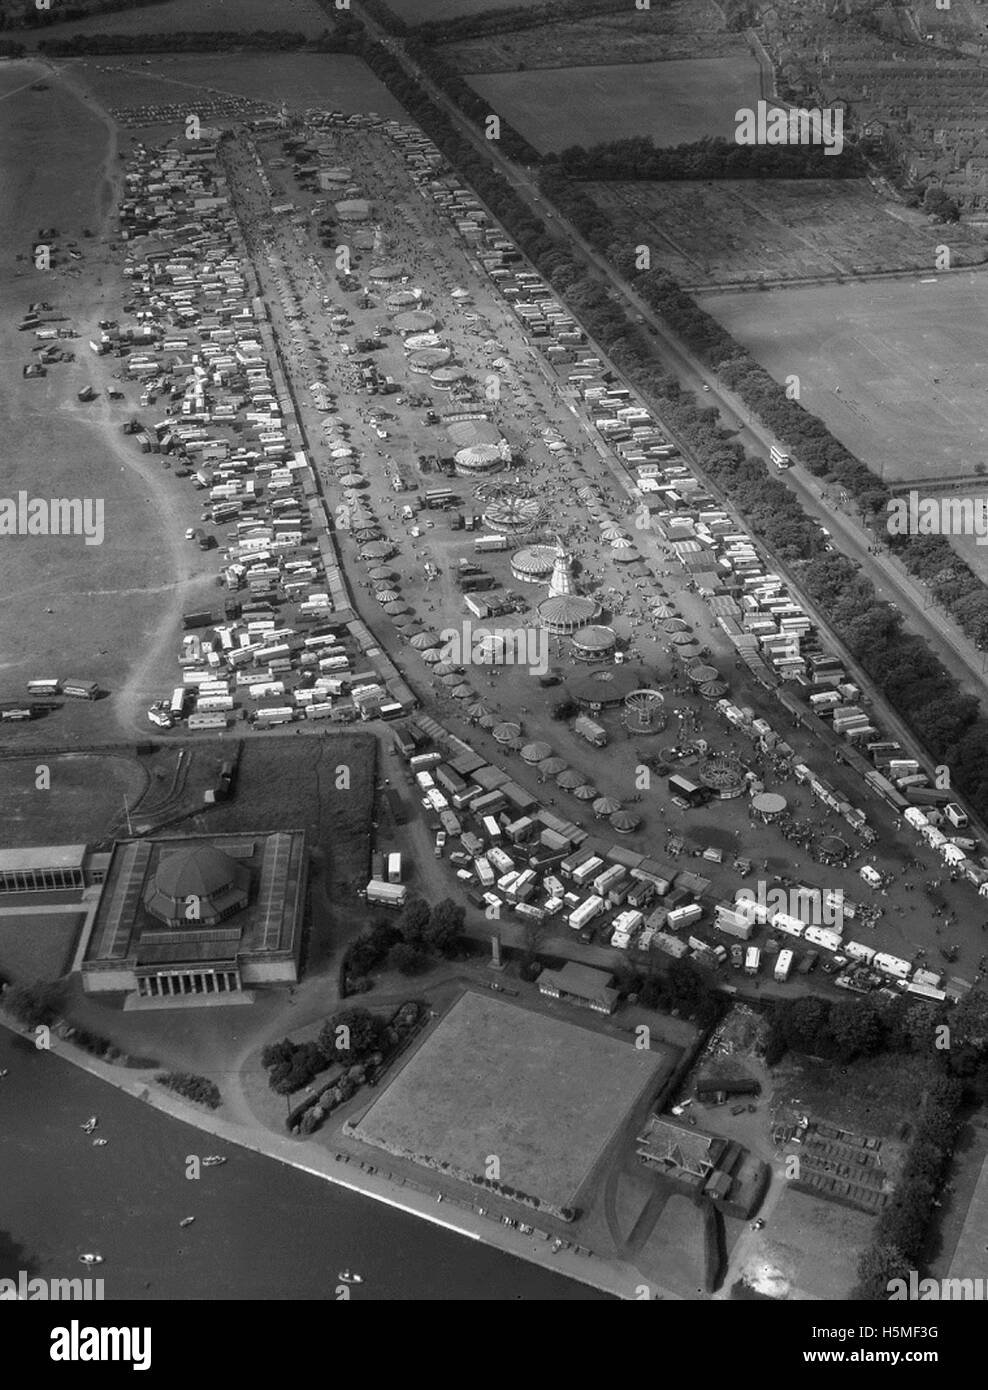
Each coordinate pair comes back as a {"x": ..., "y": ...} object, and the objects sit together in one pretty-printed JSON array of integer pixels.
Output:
[
  {"x": 43, "y": 687},
  {"x": 780, "y": 458},
  {"x": 177, "y": 705}
]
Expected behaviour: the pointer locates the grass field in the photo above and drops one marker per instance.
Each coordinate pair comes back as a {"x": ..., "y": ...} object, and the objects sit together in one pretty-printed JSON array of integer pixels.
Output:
[
  {"x": 194, "y": 16},
  {"x": 542, "y": 1095},
  {"x": 86, "y": 798},
  {"x": 291, "y": 783},
  {"x": 768, "y": 230},
  {"x": 674, "y": 102},
  {"x": 330, "y": 80},
  {"x": 38, "y": 946},
  {"x": 810, "y": 1249},
  {"x": 676, "y": 31},
  {"x": 896, "y": 369},
  {"x": 417, "y": 11}
]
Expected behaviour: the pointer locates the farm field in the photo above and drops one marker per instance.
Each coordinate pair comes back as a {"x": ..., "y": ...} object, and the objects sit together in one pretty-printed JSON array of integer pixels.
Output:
[
  {"x": 746, "y": 231},
  {"x": 676, "y": 31},
  {"x": 331, "y": 80},
  {"x": 194, "y": 16},
  {"x": 896, "y": 369},
  {"x": 675, "y": 102},
  {"x": 544, "y": 1095}
]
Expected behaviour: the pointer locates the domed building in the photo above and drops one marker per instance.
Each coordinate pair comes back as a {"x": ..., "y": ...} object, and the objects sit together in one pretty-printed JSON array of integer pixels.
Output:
[
  {"x": 199, "y": 915},
  {"x": 201, "y": 885}
]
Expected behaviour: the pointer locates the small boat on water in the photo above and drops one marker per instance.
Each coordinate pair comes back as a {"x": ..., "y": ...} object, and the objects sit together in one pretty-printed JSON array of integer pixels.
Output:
[
  {"x": 100, "y": 1143},
  {"x": 348, "y": 1277},
  {"x": 186, "y": 1221},
  {"x": 213, "y": 1160},
  {"x": 90, "y": 1259},
  {"x": 5, "y": 1072},
  {"x": 90, "y": 1124}
]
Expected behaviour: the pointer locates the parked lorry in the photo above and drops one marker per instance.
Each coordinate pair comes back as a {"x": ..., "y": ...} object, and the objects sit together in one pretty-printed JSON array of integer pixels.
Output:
[
  {"x": 389, "y": 894},
  {"x": 590, "y": 730}
]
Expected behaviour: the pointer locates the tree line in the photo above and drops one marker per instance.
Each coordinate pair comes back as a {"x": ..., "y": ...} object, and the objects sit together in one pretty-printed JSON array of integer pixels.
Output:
[
  {"x": 954, "y": 1044},
  {"x": 639, "y": 158}
]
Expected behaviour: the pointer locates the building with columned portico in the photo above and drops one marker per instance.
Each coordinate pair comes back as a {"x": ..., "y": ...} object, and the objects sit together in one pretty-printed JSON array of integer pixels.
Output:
[{"x": 201, "y": 915}]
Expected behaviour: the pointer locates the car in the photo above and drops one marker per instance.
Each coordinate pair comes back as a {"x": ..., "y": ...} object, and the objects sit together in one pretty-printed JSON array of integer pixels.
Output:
[
  {"x": 465, "y": 875},
  {"x": 190, "y": 533},
  {"x": 738, "y": 1109},
  {"x": 757, "y": 1225},
  {"x": 458, "y": 857},
  {"x": 441, "y": 839},
  {"x": 586, "y": 935},
  {"x": 706, "y": 387}
]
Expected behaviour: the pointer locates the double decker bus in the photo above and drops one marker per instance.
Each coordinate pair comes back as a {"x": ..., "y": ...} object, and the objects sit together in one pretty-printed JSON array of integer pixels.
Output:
[{"x": 779, "y": 457}]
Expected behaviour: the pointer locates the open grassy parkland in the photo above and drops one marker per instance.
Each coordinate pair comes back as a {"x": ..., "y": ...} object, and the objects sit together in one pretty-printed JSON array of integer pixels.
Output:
[
  {"x": 194, "y": 16},
  {"x": 545, "y": 1096},
  {"x": 680, "y": 30},
  {"x": 85, "y": 800},
  {"x": 766, "y": 231},
  {"x": 673, "y": 102},
  {"x": 331, "y": 80},
  {"x": 896, "y": 369}
]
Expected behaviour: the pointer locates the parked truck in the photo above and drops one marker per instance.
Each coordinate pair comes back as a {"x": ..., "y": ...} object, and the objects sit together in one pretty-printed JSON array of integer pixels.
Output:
[
  {"x": 752, "y": 960},
  {"x": 389, "y": 894},
  {"x": 593, "y": 733}
]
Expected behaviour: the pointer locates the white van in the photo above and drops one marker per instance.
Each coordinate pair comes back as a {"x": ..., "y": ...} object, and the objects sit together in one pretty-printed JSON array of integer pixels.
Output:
[{"x": 955, "y": 814}]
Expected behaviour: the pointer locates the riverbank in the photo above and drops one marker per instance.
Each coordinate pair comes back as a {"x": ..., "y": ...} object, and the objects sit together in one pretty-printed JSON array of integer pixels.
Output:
[{"x": 308, "y": 1159}]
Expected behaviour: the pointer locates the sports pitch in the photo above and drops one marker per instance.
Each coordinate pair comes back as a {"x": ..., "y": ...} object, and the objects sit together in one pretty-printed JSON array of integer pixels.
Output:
[
  {"x": 897, "y": 370},
  {"x": 674, "y": 102},
  {"x": 542, "y": 1095}
]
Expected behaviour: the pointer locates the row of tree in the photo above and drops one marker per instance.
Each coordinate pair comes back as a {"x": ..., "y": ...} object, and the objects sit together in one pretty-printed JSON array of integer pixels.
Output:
[
  {"x": 902, "y": 1232},
  {"x": 456, "y": 28},
  {"x": 638, "y": 157}
]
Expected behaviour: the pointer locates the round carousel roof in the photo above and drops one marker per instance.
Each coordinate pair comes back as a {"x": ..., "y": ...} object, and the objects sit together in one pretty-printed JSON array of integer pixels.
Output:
[{"x": 536, "y": 560}]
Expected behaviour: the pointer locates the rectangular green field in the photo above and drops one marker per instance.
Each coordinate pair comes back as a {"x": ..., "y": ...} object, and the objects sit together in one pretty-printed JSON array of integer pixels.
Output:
[
  {"x": 896, "y": 369},
  {"x": 38, "y": 946},
  {"x": 542, "y": 1096},
  {"x": 674, "y": 102}
]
